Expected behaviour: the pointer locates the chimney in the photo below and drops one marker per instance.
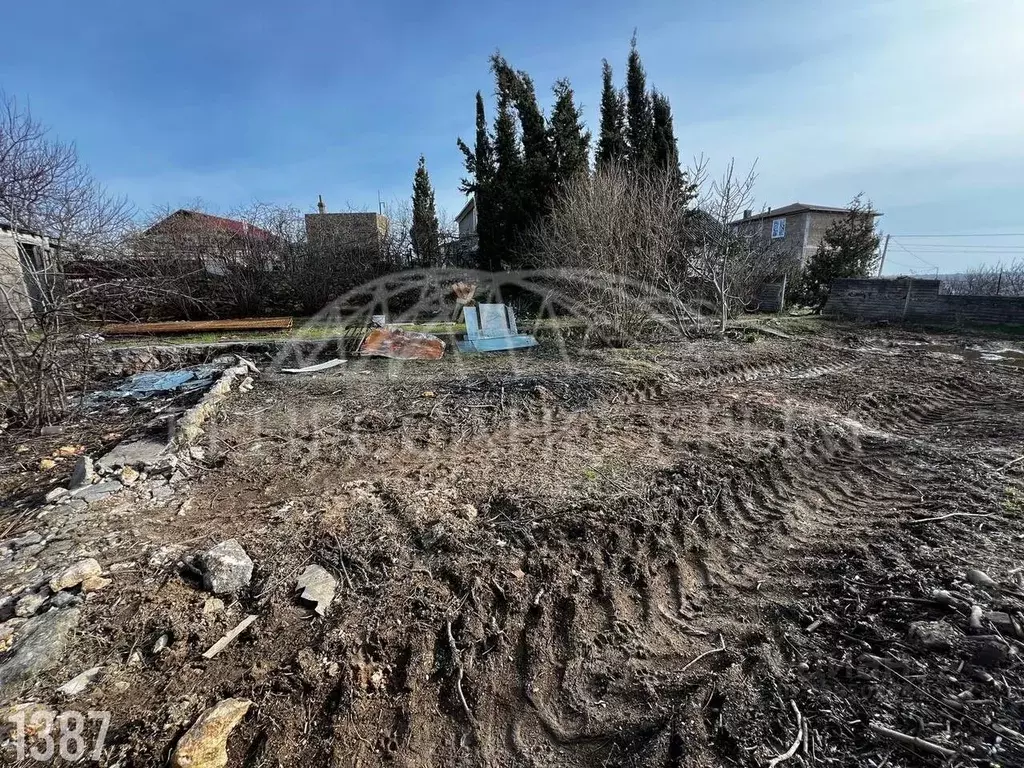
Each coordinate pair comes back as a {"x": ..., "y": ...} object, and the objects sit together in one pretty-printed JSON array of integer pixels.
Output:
[
  {"x": 320, "y": 204},
  {"x": 747, "y": 213}
]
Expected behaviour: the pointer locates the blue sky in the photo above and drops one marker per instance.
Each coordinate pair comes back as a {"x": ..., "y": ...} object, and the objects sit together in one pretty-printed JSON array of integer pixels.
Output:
[{"x": 918, "y": 103}]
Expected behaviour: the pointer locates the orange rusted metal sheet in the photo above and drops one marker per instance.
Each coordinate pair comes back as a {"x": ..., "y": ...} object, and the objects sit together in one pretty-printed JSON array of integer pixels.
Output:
[{"x": 401, "y": 345}]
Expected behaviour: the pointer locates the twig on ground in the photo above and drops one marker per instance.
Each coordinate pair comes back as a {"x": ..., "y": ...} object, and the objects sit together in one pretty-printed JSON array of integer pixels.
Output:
[
  {"x": 1009, "y": 464},
  {"x": 437, "y": 403},
  {"x": 223, "y": 643},
  {"x": 706, "y": 653},
  {"x": 912, "y": 741},
  {"x": 341, "y": 561},
  {"x": 796, "y": 742},
  {"x": 951, "y": 514},
  {"x": 457, "y": 660}
]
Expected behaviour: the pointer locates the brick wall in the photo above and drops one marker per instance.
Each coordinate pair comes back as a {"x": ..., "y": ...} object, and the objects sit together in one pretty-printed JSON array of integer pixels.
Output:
[
  {"x": 346, "y": 230},
  {"x": 899, "y": 298}
]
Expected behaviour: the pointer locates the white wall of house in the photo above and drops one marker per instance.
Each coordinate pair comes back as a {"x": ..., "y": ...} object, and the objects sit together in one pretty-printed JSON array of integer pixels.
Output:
[{"x": 467, "y": 221}]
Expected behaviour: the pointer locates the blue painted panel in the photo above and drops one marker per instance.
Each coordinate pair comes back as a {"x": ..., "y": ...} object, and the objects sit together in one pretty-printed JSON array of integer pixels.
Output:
[{"x": 500, "y": 344}]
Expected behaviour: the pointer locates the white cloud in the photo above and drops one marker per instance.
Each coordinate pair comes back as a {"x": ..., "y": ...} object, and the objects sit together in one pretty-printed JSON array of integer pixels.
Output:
[{"x": 889, "y": 88}]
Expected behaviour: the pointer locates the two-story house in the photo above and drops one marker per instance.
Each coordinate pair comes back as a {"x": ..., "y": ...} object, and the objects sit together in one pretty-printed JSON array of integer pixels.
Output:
[{"x": 797, "y": 228}]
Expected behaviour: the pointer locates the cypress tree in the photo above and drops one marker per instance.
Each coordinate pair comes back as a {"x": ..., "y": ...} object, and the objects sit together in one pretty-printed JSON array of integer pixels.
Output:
[
  {"x": 665, "y": 146},
  {"x": 480, "y": 166},
  {"x": 505, "y": 189},
  {"x": 479, "y": 160},
  {"x": 611, "y": 145},
  {"x": 426, "y": 238},
  {"x": 640, "y": 122},
  {"x": 570, "y": 142}
]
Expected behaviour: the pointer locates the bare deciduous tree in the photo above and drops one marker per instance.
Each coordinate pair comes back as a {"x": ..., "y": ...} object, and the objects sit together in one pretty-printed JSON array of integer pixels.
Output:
[
  {"x": 632, "y": 252},
  {"x": 732, "y": 266},
  {"x": 47, "y": 195},
  {"x": 988, "y": 280},
  {"x": 614, "y": 236}
]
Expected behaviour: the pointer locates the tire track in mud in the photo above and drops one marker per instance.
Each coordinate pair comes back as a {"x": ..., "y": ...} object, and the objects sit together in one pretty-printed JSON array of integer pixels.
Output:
[
  {"x": 618, "y": 615},
  {"x": 768, "y": 516},
  {"x": 948, "y": 412},
  {"x": 622, "y": 423}
]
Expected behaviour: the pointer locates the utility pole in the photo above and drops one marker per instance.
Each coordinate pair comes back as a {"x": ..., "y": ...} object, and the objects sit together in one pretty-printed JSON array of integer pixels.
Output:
[
  {"x": 881, "y": 262},
  {"x": 999, "y": 282}
]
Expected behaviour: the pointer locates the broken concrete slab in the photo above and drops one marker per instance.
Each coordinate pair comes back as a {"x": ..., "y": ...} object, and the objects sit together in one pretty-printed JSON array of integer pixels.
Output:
[
  {"x": 318, "y": 587},
  {"x": 39, "y": 644},
  {"x": 140, "y": 454},
  {"x": 226, "y": 568},
  {"x": 401, "y": 345},
  {"x": 82, "y": 475},
  {"x": 99, "y": 491}
]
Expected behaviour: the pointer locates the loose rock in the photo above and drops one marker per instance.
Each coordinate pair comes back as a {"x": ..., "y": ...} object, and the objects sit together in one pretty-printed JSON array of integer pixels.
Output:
[
  {"x": 226, "y": 568},
  {"x": 980, "y": 578},
  {"x": 318, "y": 587},
  {"x": 29, "y": 605},
  {"x": 80, "y": 683},
  {"x": 55, "y": 494},
  {"x": 28, "y": 540},
  {"x": 95, "y": 584},
  {"x": 989, "y": 652},
  {"x": 76, "y": 574},
  {"x": 63, "y": 599},
  {"x": 129, "y": 476},
  {"x": 933, "y": 635},
  {"x": 213, "y": 605},
  {"x": 205, "y": 743}
]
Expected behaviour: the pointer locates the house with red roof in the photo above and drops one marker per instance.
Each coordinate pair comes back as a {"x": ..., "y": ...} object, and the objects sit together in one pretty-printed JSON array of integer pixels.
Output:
[{"x": 219, "y": 243}]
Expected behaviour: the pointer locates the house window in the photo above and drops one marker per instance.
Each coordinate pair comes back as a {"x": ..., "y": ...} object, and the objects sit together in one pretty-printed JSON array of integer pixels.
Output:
[{"x": 778, "y": 229}]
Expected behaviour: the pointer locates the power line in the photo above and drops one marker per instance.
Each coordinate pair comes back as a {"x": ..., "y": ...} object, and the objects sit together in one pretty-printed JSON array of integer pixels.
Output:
[
  {"x": 980, "y": 235},
  {"x": 904, "y": 248},
  {"x": 971, "y": 247}
]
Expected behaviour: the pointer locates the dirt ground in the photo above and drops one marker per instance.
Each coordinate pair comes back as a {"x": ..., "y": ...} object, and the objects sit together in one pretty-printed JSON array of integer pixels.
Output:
[{"x": 643, "y": 557}]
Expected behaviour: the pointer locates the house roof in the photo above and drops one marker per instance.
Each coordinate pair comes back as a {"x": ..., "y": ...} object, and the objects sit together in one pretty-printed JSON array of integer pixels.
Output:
[
  {"x": 469, "y": 206},
  {"x": 792, "y": 208},
  {"x": 209, "y": 221},
  {"x": 6, "y": 226}
]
